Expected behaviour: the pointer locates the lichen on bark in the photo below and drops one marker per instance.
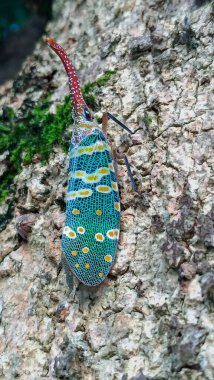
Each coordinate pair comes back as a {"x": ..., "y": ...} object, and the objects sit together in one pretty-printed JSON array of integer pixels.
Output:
[{"x": 153, "y": 317}]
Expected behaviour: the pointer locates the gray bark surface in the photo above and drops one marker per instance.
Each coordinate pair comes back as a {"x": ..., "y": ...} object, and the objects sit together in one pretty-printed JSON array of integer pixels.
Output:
[{"x": 153, "y": 317}]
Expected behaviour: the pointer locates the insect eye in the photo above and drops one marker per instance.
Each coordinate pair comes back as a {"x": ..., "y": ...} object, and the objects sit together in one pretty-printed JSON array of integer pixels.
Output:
[{"x": 87, "y": 114}]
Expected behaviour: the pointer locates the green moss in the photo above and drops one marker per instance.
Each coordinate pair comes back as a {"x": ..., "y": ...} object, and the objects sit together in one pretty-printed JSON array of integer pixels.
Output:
[
  {"x": 4, "y": 193},
  {"x": 101, "y": 81},
  {"x": 89, "y": 89},
  {"x": 148, "y": 119},
  {"x": 151, "y": 121},
  {"x": 37, "y": 130},
  {"x": 6, "y": 184}
]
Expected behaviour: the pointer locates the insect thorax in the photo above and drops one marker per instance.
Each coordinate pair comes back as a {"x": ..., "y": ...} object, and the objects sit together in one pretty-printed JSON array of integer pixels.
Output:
[{"x": 81, "y": 129}]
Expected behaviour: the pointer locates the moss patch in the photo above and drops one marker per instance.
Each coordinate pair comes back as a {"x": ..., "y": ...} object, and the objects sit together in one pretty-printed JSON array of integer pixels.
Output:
[
  {"x": 88, "y": 89},
  {"x": 37, "y": 130},
  {"x": 101, "y": 81}
]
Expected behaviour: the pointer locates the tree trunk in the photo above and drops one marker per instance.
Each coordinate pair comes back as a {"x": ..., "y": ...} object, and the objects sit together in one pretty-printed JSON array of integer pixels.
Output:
[{"x": 153, "y": 316}]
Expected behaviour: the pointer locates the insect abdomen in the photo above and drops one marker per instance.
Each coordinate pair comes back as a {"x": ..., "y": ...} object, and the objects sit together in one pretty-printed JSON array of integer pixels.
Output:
[{"x": 91, "y": 230}]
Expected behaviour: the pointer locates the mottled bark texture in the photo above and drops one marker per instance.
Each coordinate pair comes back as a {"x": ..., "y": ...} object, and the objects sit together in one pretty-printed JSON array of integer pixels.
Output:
[{"x": 153, "y": 317}]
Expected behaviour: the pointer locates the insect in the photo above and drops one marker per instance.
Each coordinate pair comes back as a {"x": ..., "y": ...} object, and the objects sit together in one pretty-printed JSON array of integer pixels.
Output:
[{"x": 91, "y": 232}]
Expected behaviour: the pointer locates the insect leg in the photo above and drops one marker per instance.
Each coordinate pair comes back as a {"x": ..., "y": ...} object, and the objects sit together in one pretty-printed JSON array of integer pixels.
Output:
[
  {"x": 59, "y": 268},
  {"x": 134, "y": 186},
  {"x": 104, "y": 122},
  {"x": 119, "y": 123},
  {"x": 105, "y": 117},
  {"x": 69, "y": 276}
]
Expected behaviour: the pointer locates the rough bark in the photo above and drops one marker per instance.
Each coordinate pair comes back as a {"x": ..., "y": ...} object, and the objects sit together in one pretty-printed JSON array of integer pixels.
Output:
[{"x": 153, "y": 317}]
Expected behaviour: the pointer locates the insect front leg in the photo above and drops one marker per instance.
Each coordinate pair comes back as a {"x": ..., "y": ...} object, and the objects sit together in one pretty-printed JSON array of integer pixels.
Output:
[
  {"x": 105, "y": 122},
  {"x": 106, "y": 116},
  {"x": 59, "y": 268},
  {"x": 112, "y": 117}
]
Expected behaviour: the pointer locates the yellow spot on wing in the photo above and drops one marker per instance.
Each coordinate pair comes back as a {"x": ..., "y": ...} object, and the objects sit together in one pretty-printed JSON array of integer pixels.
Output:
[
  {"x": 69, "y": 232},
  {"x": 114, "y": 186},
  {"x": 97, "y": 147},
  {"x": 81, "y": 150},
  {"x": 74, "y": 253},
  {"x": 100, "y": 274},
  {"x": 113, "y": 234},
  {"x": 72, "y": 234},
  {"x": 98, "y": 212},
  {"x": 84, "y": 193},
  {"x": 77, "y": 265},
  {"x": 108, "y": 258},
  {"x": 103, "y": 189},
  {"x": 91, "y": 178},
  {"x": 87, "y": 266},
  {"x": 99, "y": 237},
  {"x": 117, "y": 206},
  {"x": 79, "y": 174},
  {"x": 85, "y": 250},
  {"x": 111, "y": 167},
  {"x": 103, "y": 171},
  {"x": 81, "y": 230},
  {"x": 75, "y": 211},
  {"x": 72, "y": 195}
]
